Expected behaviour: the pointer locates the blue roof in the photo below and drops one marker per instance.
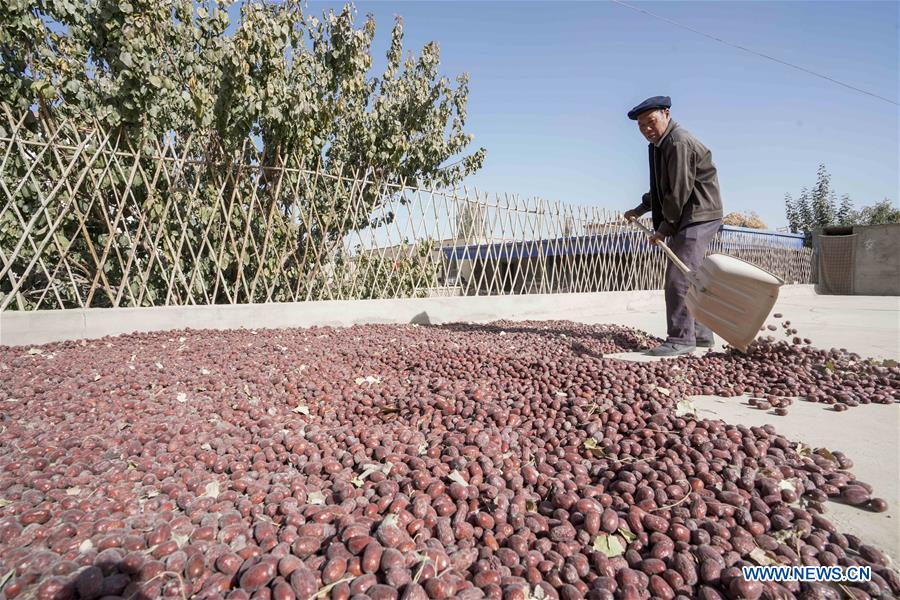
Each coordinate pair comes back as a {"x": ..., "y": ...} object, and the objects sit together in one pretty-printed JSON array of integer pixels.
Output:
[{"x": 606, "y": 243}]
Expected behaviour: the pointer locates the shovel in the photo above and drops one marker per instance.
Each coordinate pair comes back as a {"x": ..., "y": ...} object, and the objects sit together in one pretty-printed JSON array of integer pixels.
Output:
[{"x": 730, "y": 296}]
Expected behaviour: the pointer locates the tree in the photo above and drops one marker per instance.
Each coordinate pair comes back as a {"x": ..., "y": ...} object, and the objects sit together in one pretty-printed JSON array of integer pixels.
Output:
[
  {"x": 880, "y": 213},
  {"x": 819, "y": 208},
  {"x": 737, "y": 219},
  {"x": 284, "y": 90},
  {"x": 296, "y": 83},
  {"x": 792, "y": 212},
  {"x": 815, "y": 208},
  {"x": 845, "y": 213},
  {"x": 822, "y": 200}
]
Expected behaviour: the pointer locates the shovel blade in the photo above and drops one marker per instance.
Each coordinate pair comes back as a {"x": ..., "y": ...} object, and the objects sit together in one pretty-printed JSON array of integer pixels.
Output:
[{"x": 732, "y": 297}]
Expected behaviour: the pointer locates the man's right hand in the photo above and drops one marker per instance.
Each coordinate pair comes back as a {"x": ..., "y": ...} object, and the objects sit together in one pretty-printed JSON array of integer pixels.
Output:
[{"x": 630, "y": 215}]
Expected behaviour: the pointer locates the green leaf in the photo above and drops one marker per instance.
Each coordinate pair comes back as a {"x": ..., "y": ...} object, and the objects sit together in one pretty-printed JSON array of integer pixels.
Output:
[
  {"x": 594, "y": 448},
  {"x": 627, "y": 534},
  {"x": 126, "y": 8},
  {"x": 608, "y": 545}
]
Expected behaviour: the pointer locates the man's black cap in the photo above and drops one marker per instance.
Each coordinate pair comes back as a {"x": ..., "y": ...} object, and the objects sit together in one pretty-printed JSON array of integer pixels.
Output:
[{"x": 650, "y": 104}]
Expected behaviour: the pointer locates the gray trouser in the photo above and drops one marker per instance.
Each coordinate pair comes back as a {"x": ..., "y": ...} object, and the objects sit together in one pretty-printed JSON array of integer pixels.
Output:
[{"x": 689, "y": 244}]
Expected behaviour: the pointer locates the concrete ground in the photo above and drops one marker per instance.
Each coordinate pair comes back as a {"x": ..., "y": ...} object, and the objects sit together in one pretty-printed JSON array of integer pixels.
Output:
[
  {"x": 867, "y": 325},
  {"x": 869, "y": 435}
]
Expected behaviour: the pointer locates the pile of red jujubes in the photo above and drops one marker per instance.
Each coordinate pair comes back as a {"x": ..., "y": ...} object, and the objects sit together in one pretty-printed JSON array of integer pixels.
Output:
[{"x": 509, "y": 460}]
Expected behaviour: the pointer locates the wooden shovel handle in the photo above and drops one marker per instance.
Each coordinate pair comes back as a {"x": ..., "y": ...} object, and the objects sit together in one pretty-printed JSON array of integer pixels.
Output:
[{"x": 681, "y": 266}]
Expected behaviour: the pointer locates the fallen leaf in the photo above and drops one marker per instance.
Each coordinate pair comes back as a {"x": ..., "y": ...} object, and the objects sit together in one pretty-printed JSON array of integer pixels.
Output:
[
  {"x": 684, "y": 408},
  {"x": 889, "y": 363},
  {"x": 370, "y": 379},
  {"x": 303, "y": 410},
  {"x": 783, "y": 535},
  {"x": 159, "y": 366},
  {"x": 73, "y": 491},
  {"x": 204, "y": 371},
  {"x": 4, "y": 502},
  {"x": 390, "y": 520},
  {"x": 324, "y": 591},
  {"x": 608, "y": 545},
  {"x": 6, "y": 578},
  {"x": 663, "y": 391},
  {"x": 86, "y": 546},
  {"x": 389, "y": 410},
  {"x": 315, "y": 498},
  {"x": 627, "y": 534},
  {"x": 539, "y": 593},
  {"x": 360, "y": 479},
  {"x": 423, "y": 448},
  {"x": 826, "y": 454},
  {"x": 763, "y": 557},
  {"x": 530, "y": 505},
  {"x": 455, "y": 476},
  {"x": 559, "y": 394},
  {"x": 804, "y": 450},
  {"x": 181, "y": 397},
  {"x": 594, "y": 448},
  {"x": 205, "y": 446},
  {"x": 34, "y": 351},
  {"x": 212, "y": 489},
  {"x": 787, "y": 484}
]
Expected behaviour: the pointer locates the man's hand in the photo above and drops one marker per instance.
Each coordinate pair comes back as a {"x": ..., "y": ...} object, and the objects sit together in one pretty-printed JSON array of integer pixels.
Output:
[
  {"x": 657, "y": 237},
  {"x": 630, "y": 215}
]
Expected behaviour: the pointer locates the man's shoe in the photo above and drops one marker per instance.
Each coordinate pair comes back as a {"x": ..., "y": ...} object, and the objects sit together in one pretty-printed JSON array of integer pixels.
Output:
[
  {"x": 670, "y": 349},
  {"x": 706, "y": 343}
]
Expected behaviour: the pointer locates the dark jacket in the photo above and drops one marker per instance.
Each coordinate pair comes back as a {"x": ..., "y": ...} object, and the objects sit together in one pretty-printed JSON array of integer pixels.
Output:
[{"x": 684, "y": 186}]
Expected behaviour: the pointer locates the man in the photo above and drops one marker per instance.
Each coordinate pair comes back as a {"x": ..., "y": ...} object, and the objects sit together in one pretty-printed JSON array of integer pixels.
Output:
[{"x": 686, "y": 207}]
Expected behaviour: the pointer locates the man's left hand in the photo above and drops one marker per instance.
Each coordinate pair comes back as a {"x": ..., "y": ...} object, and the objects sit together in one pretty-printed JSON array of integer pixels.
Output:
[{"x": 657, "y": 237}]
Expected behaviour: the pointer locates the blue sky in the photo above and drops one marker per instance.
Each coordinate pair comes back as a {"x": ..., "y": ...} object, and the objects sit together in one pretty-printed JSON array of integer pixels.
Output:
[{"x": 551, "y": 83}]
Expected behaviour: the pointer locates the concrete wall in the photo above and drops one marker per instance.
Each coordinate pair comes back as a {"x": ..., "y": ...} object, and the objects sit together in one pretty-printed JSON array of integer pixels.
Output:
[
  {"x": 626, "y": 308},
  {"x": 877, "y": 266}
]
